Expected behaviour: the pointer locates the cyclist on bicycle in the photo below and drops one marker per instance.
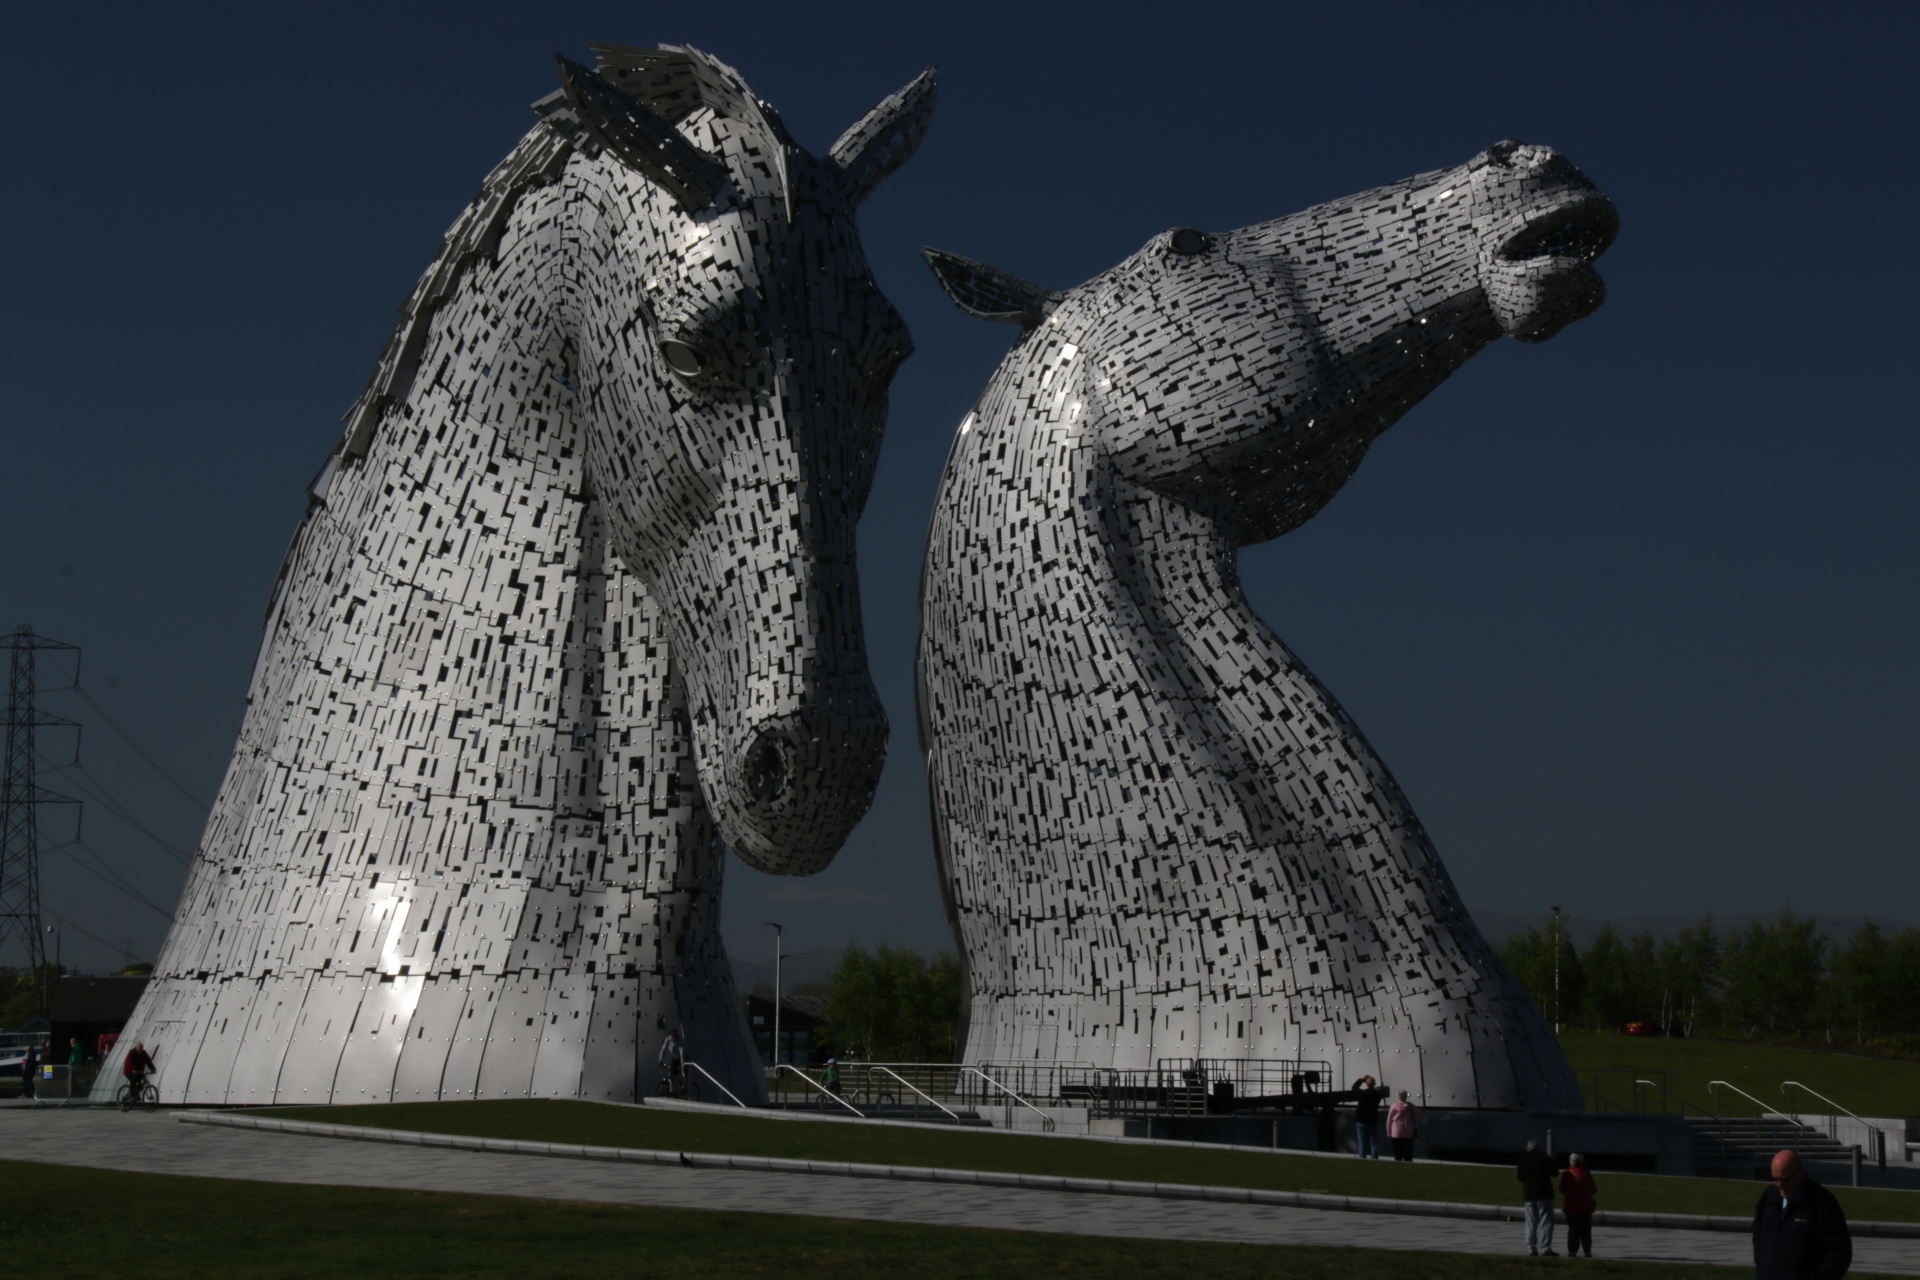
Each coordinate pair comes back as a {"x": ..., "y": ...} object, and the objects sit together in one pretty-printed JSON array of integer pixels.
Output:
[
  {"x": 139, "y": 1064},
  {"x": 673, "y": 1057}
]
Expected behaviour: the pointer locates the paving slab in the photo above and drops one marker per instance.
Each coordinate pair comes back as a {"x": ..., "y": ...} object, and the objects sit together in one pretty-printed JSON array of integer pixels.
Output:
[{"x": 158, "y": 1143}]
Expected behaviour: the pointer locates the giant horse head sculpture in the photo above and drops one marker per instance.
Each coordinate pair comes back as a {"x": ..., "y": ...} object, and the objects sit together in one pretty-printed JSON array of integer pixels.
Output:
[
  {"x": 1251, "y": 369},
  {"x": 575, "y": 593},
  {"x": 734, "y": 373},
  {"x": 1159, "y": 836}
]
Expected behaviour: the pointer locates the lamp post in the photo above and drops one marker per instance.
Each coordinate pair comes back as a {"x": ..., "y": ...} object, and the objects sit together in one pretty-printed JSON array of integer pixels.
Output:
[
  {"x": 1556, "y": 971},
  {"x": 777, "y": 957}
]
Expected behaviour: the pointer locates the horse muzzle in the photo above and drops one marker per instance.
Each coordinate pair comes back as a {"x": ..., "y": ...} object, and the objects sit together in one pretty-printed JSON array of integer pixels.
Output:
[{"x": 800, "y": 780}]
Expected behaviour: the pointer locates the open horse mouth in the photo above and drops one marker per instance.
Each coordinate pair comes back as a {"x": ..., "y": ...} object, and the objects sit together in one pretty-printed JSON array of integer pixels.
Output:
[
  {"x": 1582, "y": 230},
  {"x": 1541, "y": 277}
]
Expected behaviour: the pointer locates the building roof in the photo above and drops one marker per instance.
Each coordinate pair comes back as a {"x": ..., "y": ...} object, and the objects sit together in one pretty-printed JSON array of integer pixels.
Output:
[
  {"x": 797, "y": 1012},
  {"x": 77, "y": 999}
]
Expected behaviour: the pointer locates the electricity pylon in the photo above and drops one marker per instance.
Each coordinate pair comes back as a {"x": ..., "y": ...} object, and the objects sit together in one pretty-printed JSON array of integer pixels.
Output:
[{"x": 21, "y": 797}]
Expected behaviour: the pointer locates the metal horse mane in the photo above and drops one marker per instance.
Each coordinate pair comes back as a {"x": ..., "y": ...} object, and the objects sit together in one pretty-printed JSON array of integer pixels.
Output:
[
  {"x": 1159, "y": 836},
  {"x": 574, "y": 603}
]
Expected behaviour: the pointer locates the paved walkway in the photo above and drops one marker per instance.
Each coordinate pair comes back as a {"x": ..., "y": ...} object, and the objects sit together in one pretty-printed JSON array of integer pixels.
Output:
[{"x": 158, "y": 1143}]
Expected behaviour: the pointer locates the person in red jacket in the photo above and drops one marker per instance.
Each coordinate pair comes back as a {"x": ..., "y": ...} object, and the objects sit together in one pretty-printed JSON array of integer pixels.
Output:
[
  {"x": 138, "y": 1065},
  {"x": 1577, "y": 1194}
]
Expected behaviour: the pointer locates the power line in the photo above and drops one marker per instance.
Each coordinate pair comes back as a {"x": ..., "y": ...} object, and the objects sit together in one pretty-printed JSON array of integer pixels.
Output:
[
  {"x": 102, "y": 871},
  {"x": 113, "y": 947},
  {"x": 99, "y": 794},
  {"x": 142, "y": 752}
]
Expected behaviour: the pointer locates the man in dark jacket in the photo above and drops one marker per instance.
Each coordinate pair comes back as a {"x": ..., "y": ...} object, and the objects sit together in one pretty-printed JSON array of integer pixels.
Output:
[
  {"x": 1366, "y": 1117},
  {"x": 1536, "y": 1187},
  {"x": 1799, "y": 1230}
]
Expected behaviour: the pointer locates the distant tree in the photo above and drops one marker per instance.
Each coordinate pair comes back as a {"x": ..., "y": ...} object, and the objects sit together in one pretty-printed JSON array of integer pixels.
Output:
[
  {"x": 891, "y": 1005},
  {"x": 1617, "y": 979},
  {"x": 24, "y": 992},
  {"x": 1529, "y": 957},
  {"x": 1687, "y": 975},
  {"x": 1774, "y": 975},
  {"x": 1873, "y": 984}
]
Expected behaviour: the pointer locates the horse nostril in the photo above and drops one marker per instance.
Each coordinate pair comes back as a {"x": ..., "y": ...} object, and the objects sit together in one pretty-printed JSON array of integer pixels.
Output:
[{"x": 766, "y": 768}]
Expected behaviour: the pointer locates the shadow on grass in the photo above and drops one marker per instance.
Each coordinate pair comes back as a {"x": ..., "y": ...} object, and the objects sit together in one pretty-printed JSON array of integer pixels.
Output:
[
  {"x": 595, "y": 1124},
  {"x": 82, "y": 1222}
]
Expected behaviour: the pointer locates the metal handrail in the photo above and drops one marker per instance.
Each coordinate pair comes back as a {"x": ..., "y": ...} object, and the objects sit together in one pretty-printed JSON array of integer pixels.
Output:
[
  {"x": 1765, "y": 1110},
  {"x": 1684, "y": 1101},
  {"x": 1045, "y": 1119},
  {"x": 904, "y": 1081},
  {"x": 689, "y": 1065},
  {"x": 1795, "y": 1084},
  {"x": 817, "y": 1087},
  {"x": 1879, "y": 1136}
]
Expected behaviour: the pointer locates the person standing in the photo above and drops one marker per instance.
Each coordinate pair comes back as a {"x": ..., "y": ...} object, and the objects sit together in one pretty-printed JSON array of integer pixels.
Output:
[
  {"x": 1799, "y": 1230},
  {"x": 1403, "y": 1126},
  {"x": 29, "y": 1068},
  {"x": 1366, "y": 1118},
  {"x": 1535, "y": 1172},
  {"x": 1577, "y": 1195}
]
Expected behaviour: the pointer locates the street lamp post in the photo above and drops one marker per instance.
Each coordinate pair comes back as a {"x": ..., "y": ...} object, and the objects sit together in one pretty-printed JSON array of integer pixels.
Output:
[
  {"x": 777, "y": 957},
  {"x": 1556, "y": 971}
]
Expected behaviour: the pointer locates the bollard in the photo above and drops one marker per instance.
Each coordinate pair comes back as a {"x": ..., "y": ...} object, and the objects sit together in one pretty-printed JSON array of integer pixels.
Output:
[
  {"x": 1856, "y": 1165},
  {"x": 1880, "y": 1144}
]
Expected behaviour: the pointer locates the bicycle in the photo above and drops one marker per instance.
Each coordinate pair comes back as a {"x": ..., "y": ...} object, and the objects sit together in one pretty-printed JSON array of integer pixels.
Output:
[{"x": 141, "y": 1093}]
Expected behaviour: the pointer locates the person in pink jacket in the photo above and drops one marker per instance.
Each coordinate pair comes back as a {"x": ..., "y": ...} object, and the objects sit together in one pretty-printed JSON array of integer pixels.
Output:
[{"x": 1403, "y": 1124}]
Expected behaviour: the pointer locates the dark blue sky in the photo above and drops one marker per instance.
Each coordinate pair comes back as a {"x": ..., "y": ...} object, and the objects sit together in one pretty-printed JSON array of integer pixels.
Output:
[{"x": 1632, "y": 615}]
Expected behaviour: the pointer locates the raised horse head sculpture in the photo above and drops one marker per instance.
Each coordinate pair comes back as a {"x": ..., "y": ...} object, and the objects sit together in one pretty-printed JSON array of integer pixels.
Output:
[
  {"x": 1160, "y": 837},
  {"x": 574, "y": 608}
]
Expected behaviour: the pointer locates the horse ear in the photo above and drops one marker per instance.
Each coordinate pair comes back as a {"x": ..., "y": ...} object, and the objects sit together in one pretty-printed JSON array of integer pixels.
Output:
[
  {"x": 991, "y": 294},
  {"x": 642, "y": 140},
  {"x": 884, "y": 137}
]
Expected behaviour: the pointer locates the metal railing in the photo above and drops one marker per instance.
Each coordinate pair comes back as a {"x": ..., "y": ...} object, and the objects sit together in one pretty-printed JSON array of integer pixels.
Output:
[
  {"x": 1728, "y": 1144},
  {"x": 1200, "y": 1086},
  {"x": 1714, "y": 1087},
  {"x": 1625, "y": 1091},
  {"x": 915, "y": 1089},
  {"x": 816, "y": 1086},
  {"x": 689, "y": 1065},
  {"x": 1046, "y": 1121},
  {"x": 53, "y": 1082},
  {"x": 1680, "y": 1105},
  {"x": 1873, "y": 1137},
  {"x": 1038, "y": 1080}
]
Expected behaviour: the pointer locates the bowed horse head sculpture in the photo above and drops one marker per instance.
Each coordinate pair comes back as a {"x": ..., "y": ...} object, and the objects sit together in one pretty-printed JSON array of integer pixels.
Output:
[
  {"x": 574, "y": 603},
  {"x": 737, "y": 368},
  {"x": 1159, "y": 836}
]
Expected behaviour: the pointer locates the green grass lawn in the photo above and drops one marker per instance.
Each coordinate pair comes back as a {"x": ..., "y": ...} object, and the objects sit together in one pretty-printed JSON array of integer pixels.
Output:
[
  {"x": 90, "y": 1222},
  {"x": 1865, "y": 1086},
  {"x": 660, "y": 1129}
]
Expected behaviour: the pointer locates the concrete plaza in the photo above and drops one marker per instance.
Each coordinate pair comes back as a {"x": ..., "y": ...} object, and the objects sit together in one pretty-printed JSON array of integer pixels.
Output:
[{"x": 159, "y": 1143}]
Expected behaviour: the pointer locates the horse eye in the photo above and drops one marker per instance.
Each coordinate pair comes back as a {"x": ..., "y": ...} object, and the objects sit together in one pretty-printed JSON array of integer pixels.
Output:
[
  {"x": 682, "y": 359},
  {"x": 1187, "y": 242}
]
